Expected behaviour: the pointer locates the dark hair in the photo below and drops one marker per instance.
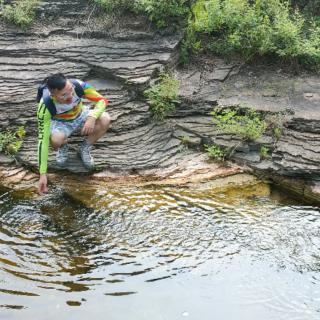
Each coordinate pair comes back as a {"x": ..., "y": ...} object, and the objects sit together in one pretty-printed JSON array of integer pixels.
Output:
[{"x": 56, "y": 81}]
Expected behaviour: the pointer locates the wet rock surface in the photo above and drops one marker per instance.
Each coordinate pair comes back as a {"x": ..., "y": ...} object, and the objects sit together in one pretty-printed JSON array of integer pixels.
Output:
[{"x": 120, "y": 59}]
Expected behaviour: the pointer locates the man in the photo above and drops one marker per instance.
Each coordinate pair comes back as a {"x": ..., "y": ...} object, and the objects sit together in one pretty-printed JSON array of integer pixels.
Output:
[{"x": 61, "y": 113}]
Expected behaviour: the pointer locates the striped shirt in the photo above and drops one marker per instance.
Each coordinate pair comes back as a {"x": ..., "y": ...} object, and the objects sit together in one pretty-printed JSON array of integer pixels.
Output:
[{"x": 73, "y": 110}]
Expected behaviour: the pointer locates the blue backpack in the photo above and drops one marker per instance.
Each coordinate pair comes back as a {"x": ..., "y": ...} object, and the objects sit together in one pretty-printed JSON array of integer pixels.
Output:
[{"x": 43, "y": 92}]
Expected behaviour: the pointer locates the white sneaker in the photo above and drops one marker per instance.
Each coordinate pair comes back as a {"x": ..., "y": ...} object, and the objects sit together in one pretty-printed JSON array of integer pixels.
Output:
[
  {"x": 86, "y": 157},
  {"x": 62, "y": 156}
]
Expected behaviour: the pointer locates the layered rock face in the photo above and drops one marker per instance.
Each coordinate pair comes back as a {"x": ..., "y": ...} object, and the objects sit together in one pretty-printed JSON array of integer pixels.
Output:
[
  {"x": 118, "y": 62},
  {"x": 120, "y": 59},
  {"x": 292, "y": 103}
]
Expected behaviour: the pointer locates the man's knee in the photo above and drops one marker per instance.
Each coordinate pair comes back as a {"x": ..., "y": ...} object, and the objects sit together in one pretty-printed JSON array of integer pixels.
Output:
[
  {"x": 58, "y": 139},
  {"x": 104, "y": 121}
]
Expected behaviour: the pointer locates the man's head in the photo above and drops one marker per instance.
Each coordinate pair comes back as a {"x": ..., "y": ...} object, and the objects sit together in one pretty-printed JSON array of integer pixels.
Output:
[{"x": 60, "y": 88}]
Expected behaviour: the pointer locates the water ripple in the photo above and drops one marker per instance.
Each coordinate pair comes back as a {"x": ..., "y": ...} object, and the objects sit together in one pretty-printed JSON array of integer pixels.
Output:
[{"x": 144, "y": 237}]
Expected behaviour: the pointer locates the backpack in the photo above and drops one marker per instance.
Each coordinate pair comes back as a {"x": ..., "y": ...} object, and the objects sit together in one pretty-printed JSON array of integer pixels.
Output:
[{"x": 43, "y": 92}]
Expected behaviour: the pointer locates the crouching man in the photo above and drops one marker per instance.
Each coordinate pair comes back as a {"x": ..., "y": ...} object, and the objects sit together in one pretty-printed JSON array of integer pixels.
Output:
[{"x": 61, "y": 112}]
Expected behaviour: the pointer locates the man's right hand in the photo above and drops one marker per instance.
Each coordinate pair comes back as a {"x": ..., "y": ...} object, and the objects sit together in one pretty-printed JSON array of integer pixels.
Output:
[{"x": 43, "y": 184}]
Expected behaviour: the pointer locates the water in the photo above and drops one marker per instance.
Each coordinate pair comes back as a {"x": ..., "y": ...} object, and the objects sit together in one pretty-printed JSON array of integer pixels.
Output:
[{"x": 160, "y": 253}]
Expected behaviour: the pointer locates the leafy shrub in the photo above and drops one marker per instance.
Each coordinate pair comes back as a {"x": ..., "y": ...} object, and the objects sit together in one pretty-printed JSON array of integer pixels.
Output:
[
  {"x": 161, "y": 12},
  {"x": 276, "y": 123},
  {"x": 190, "y": 45},
  {"x": 163, "y": 96},
  {"x": 11, "y": 141},
  {"x": 309, "y": 6},
  {"x": 244, "y": 27},
  {"x": 264, "y": 152},
  {"x": 257, "y": 27},
  {"x": 111, "y": 6},
  {"x": 21, "y": 13},
  {"x": 248, "y": 126},
  {"x": 215, "y": 152},
  {"x": 185, "y": 139},
  {"x": 277, "y": 133}
]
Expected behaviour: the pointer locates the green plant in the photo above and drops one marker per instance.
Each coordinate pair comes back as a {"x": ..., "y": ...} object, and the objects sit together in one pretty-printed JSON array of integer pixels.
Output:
[
  {"x": 163, "y": 96},
  {"x": 185, "y": 139},
  {"x": 216, "y": 152},
  {"x": 161, "y": 12},
  {"x": 248, "y": 28},
  {"x": 276, "y": 123},
  {"x": 248, "y": 126},
  {"x": 21, "y": 13},
  {"x": 190, "y": 45},
  {"x": 257, "y": 27},
  {"x": 116, "y": 6},
  {"x": 309, "y": 6},
  {"x": 11, "y": 141},
  {"x": 277, "y": 133},
  {"x": 264, "y": 152}
]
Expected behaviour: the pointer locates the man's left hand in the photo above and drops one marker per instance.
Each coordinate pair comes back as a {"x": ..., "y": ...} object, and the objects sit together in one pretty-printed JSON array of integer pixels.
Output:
[{"x": 88, "y": 127}]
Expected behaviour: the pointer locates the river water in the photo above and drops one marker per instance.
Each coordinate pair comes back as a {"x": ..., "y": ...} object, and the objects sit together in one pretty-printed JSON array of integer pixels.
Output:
[{"x": 160, "y": 253}]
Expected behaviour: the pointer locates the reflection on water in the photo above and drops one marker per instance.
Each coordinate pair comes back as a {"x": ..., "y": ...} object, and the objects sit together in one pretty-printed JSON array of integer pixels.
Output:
[{"x": 160, "y": 253}]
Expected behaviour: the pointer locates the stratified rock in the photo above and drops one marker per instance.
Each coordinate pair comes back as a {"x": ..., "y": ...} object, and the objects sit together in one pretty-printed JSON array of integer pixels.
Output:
[
  {"x": 292, "y": 102},
  {"x": 118, "y": 64},
  {"x": 120, "y": 58}
]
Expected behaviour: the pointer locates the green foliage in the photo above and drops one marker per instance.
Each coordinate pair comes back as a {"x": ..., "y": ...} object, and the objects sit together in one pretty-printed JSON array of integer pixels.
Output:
[
  {"x": 237, "y": 27},
  {"x": 117, "y": 6},
  {"x": 163, "y": 96},
  {"x": 161, "y": 12},
  {"x": 264, "y": 152},
  {"x": 185, "y": 139},
  {"x": 215, "y": 152},
  {"x": 276, "y": 123},
  {"x": 20, "y": 13},
  {"x": 248, "y": 126},
  {"x": 190, "y": 45},
  {"x": 257, "y": 27},
  {"x": 308, "y": 6},
  {"x": 11, "y": 141},
  {"x": 247, "y": 28},
  {"x": 277, "y": 133}
]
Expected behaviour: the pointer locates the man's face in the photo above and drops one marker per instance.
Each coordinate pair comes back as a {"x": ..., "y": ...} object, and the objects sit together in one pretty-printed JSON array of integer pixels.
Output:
[{"x": 64, "y": 95}]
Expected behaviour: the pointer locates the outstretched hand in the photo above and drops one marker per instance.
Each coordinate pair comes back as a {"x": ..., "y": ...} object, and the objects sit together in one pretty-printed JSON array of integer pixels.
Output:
[
  {"x": 88, "y": 127},
  {"x": 43, "y": 184}
]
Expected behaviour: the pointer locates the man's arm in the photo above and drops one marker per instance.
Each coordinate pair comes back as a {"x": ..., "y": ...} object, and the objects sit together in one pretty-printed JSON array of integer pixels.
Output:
[
  {"x": 44, "y": 119},
  {"x": 100, "y": 102}
]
